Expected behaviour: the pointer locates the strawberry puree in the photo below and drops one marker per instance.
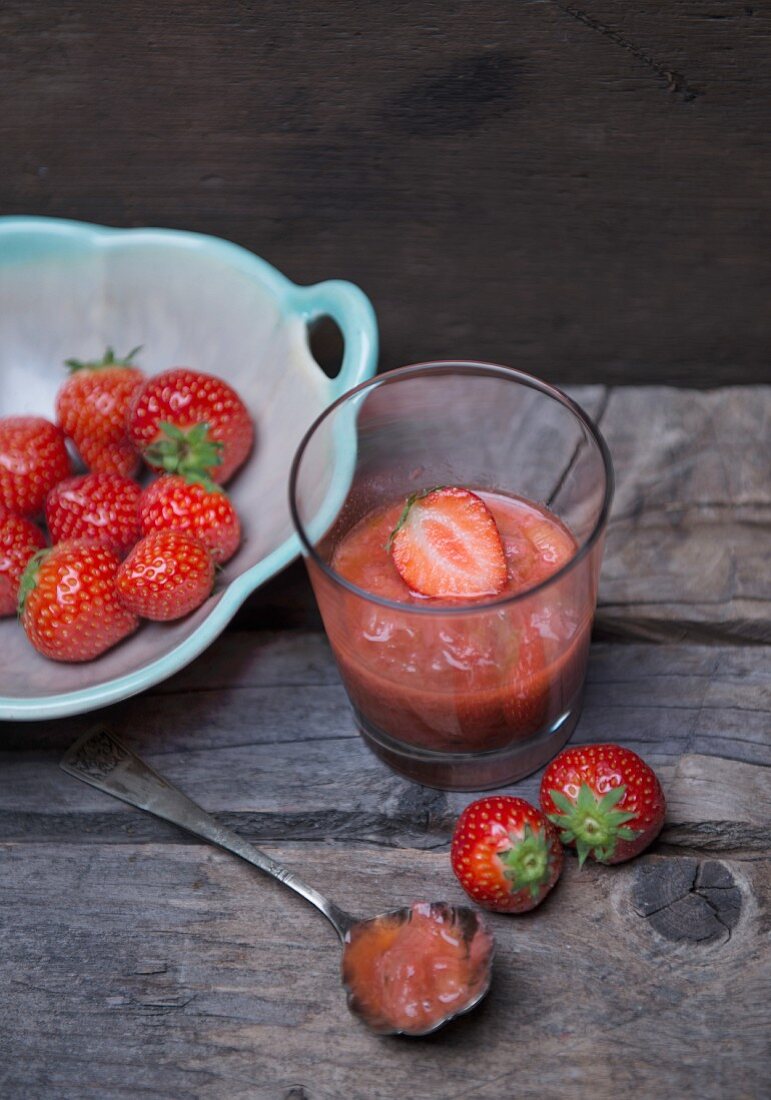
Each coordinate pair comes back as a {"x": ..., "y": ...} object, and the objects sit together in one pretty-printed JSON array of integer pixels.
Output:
[
  {"x": 407, "y": 973},
  {"x": 461, "y": 682}
]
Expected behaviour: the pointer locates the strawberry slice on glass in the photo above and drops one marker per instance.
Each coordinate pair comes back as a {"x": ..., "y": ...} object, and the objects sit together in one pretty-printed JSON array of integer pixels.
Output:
[{"x": 446, "y": 544}]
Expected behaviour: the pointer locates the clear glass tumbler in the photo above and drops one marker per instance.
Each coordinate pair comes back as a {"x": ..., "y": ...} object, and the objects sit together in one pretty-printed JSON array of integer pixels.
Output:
[{"x": 469, "y": 695}]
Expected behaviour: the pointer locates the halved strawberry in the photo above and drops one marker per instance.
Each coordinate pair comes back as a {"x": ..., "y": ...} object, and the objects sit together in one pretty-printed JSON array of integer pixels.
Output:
[{"x": 447, "y": 544}]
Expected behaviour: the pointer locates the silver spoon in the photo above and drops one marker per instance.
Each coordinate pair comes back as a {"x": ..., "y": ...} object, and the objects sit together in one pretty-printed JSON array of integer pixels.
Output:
[{"x": 98, "y": 758}]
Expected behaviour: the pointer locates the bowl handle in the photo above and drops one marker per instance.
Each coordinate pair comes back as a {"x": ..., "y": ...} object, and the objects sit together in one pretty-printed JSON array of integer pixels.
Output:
[{"x": 353, "y": 314}]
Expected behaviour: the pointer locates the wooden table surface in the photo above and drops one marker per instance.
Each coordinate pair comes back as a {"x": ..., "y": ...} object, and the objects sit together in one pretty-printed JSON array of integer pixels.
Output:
[{"x": 135, "y": 961}]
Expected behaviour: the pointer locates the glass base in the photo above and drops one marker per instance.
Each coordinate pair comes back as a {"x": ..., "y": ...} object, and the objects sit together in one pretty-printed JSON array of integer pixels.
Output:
[{"x": 471, "y": 771}]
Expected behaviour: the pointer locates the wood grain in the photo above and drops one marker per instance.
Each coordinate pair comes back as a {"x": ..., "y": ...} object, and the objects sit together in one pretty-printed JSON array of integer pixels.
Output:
[
  {"x": 687, "y": 553},
  {"x": 134, "y": 960},
  {"x": 259, "y": 730},
  {"x": 173, "y": 971},
  {"x": 576, "y": 189}
]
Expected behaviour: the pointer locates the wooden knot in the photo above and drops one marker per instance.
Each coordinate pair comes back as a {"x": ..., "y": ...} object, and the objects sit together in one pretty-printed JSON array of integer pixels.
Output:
[{"x": 687, "y": 900}]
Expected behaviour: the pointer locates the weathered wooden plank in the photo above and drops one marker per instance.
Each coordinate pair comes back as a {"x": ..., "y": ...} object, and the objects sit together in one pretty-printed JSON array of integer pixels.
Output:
[
  {"x": 687, "y": 549},
  {"x": 175, "y": 971},
  {"x": 716, "y": 805},
  {"x": 537, "y": 185},
  {"x": 424, "y": 819},
  {"x": 728, "y": 789},
  {"x": 166, "y": 969},
  {"x": 278, "y": 755}
]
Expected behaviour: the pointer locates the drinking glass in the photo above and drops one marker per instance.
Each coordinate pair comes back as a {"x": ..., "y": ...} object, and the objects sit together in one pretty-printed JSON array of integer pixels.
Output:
[{"x": 473, "y": 694}]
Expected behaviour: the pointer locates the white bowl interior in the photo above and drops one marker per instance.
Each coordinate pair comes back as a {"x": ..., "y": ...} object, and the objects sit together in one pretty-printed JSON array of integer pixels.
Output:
[{"x": 185, "y": 306}]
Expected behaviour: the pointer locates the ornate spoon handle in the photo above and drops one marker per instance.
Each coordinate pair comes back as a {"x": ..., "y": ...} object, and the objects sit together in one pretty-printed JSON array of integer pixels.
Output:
[{"x": 99, "y": 758}]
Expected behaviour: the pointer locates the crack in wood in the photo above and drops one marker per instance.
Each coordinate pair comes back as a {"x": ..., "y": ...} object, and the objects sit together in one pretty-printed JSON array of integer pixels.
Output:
[
  {"x": 649, "y": 520},
  {"x": 676, "y": 83},
  {"x": 641, "y": 630},
  {"x": 160, "y": 1006},
  {"x": 428, "y": 830},
  {"x": 687, "y": 900},
  {"x": 717, "y": 836},
  {"x": 702, "y": 602}
]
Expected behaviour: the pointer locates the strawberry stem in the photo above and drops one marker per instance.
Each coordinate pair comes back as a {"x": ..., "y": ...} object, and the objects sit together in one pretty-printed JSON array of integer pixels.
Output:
[
  {"x": 410, "y": 502},
  {"x": 190, "y": 453},
  {"x": 528, "y": 862},
  {"x": 592, "y": 823},
  {"x": 202, "y": 479},
  {"x": 109, "y": 359},
  {"x": 28, "y": 579}
]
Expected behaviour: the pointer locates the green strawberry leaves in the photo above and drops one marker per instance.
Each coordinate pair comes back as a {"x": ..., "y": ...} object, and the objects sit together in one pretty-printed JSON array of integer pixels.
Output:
[
  {"x": 190, "y": 453},
  {"x": 202, "y": 479},
  {"x": 408, "y": 506},
  {"x": 109, "y": 359},
  {"x": 28, "y": 579},
  {"x": 528, "y": 862},
  {"x": 593, "y": 823}
]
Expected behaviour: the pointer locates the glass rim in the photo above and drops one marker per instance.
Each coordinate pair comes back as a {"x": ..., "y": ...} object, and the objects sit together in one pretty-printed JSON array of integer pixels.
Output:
[{"x": 471, "y": 367}]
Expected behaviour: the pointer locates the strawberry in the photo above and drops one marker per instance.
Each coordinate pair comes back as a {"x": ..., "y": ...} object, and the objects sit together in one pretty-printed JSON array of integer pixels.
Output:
[
  {"x": 446, "y": 544},
  {"x": 91, "y": 408},
  {"x": 33, "y": 458},
  {"x": 604, "y": 800},
  {"x": 554, "y": 545},
  {"x": 97, "y": 507},
  {"x": 184, "y": 421},
  {"x": 196, "y": 505},
  {"x": 505, "y": 854},
  {"x": 167, "y": 575},
  {"x": 68, "y": 603},
  {"x": 19, "y": 540}
]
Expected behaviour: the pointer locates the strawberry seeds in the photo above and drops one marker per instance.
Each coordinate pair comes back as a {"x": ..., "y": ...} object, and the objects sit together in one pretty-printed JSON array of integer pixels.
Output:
[{"x": 77, "y": 598}]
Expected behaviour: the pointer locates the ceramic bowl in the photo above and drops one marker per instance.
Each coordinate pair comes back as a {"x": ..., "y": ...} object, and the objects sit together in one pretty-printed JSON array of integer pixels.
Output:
[{"x": 69, "y": 289}]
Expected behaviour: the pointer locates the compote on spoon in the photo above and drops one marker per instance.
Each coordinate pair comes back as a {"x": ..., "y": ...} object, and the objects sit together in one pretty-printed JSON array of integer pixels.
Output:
[{"x": 406, "y": 972}]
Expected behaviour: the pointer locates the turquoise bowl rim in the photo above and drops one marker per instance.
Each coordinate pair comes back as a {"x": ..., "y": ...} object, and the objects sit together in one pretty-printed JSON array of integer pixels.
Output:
[{"x": 344, "y": 302}]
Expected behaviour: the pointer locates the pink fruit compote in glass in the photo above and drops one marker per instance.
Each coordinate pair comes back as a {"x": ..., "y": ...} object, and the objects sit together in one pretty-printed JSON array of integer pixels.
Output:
[{"x": 437, "y": 680}]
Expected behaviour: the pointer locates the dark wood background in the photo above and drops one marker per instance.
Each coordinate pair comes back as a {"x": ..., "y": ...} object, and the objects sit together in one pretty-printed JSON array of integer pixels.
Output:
[{"x": 579, "y": 190}]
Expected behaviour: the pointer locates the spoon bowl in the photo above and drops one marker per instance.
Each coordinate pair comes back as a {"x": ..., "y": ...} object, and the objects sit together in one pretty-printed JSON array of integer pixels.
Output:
[
  {"x": 408, "y": 971},
  {"x": 412, "y": 970}
]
